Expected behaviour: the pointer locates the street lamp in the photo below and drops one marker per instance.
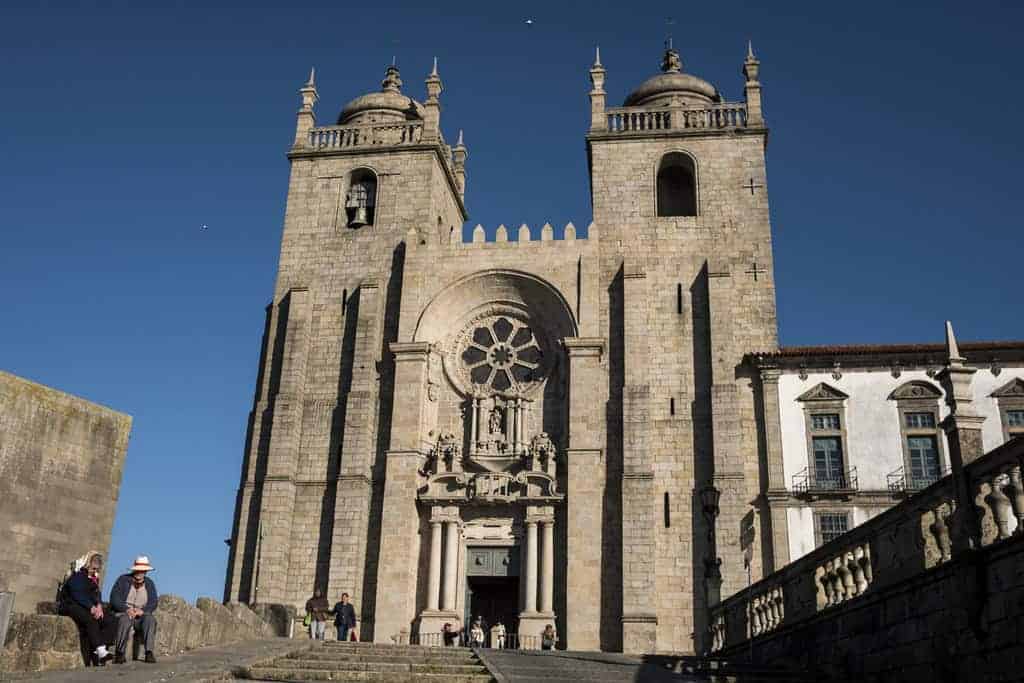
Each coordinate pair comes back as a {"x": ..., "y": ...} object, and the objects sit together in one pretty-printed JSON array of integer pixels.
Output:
[{"x": 709, "y": 497}]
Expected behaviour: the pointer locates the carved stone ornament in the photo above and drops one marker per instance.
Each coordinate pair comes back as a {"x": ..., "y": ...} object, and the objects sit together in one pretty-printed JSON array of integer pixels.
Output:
[
  {"x": 803, "y": 372},
  {"x": 491, "y": 487},
  {"x": 445, "y": 455},
  {"x": 543, "y": 454},
  {"x": 836, "y": 372},
  {"x": 915, "y": 390},
  {"x": 1014, "y": 388},
  {"x": 498, "y": 350},
  {"x": 896, "y": 370},
  {"x": 822, "y": 392}
]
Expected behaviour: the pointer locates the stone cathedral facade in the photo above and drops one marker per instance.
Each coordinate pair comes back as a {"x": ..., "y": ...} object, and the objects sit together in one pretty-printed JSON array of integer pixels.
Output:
[{"x": 581, "y": 430}]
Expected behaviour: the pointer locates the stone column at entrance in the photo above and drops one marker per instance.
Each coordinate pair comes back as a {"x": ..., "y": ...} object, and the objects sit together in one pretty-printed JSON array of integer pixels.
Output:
[
  {"x": 539, "y": 569},
  {"x": 451, "y": 565},
  {"x": 547, "y": 566},
  {"x": 434, "y": 580},
  {"x": 442, "y": 579},
  {"x": 531, "y": 567}
]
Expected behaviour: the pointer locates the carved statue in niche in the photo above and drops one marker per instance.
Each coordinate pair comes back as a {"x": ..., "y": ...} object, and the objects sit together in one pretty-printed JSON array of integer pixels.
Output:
[
  {"x": 543, "y": 454},
  {"x": 444, "y": 456}
]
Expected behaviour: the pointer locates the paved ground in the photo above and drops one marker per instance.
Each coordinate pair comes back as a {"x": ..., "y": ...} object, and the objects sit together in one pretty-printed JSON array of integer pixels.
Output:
[
  {"x": 518, "y": 666},
  {"x": 204, "y": 664}
]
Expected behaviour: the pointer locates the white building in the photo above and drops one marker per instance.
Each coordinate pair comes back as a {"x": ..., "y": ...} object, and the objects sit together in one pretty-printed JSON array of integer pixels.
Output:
[{"x": 858, "y": 427}]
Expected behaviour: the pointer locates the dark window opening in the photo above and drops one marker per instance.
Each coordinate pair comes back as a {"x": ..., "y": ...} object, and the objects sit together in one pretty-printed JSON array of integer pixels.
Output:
[
  {"x": 679, "y": 299},
  {"x": 677, "y": 186},
  {"x": 668, "y": 514},
  {"x": 672, "y": 406}
]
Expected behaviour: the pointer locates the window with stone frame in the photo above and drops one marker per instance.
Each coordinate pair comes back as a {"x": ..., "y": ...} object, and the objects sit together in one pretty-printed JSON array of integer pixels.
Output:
[
  {"x": 917, "y": 404},
  {"x": 1010, "y": 398},
  {"x": 824, "y": 411},
  {"x": 830, "y": 525}
]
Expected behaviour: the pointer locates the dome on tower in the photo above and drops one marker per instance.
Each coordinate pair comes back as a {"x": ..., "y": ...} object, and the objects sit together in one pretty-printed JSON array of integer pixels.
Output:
[
  {"x": 673, "y": 83},
  {"x": 387, "y": 105}
]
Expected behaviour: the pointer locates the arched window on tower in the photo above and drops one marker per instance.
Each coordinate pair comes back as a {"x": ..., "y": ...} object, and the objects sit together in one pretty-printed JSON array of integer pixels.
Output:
[
  {"x": 677, "y": 185},
  {"x": 361, "y": 198}
]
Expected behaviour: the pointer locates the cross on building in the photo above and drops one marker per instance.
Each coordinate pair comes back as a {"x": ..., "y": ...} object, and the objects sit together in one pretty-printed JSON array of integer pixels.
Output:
[
  {"x": 751, "y": 185},
  {"x": 755, "y": 270}
]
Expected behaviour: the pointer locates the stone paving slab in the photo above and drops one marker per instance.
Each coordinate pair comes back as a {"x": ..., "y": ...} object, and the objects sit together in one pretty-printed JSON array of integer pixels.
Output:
[
  {"x": 563, "y": 666},
  {"x": 204, "y": 664}
]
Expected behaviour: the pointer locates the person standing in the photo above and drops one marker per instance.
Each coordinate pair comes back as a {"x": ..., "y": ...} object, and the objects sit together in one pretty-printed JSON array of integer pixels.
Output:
[
  {"x": 81, "y": 600},
  {"x": 498, "y": 635},
  {"x": 134, "y": 599},
  {"x": 317, "y": 610},
  {"x": 344, "y": 617}
]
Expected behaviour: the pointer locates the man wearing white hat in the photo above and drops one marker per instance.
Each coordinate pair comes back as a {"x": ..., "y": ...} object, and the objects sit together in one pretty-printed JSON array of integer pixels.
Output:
[{"x": 133, "y": 599}]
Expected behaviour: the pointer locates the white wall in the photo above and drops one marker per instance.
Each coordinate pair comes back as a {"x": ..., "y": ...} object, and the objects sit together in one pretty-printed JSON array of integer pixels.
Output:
[{"x": 872, "y": 432}]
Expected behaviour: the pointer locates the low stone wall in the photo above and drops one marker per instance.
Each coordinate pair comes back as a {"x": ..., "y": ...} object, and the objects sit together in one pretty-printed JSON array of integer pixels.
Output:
[{"x": 45, "y": 642}]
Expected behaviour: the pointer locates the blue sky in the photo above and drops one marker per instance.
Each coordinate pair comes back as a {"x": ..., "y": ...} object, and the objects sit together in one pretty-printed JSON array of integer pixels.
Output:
[{"x": 893, "y": 169}]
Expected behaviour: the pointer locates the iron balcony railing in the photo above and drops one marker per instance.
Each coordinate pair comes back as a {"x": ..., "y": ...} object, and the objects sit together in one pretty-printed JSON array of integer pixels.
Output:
[
  {"x": 809, "y": 481},
  {"x": 899, "y": 482}
]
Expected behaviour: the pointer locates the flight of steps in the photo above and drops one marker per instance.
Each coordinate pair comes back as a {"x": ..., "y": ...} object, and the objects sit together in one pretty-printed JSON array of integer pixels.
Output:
[{"x": 334, "y": 661}]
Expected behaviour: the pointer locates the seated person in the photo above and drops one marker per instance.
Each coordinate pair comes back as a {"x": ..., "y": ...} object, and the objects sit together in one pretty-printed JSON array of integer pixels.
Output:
[
  {"x": 80, "y": 600},
  {"x": 134, "y": 599}
]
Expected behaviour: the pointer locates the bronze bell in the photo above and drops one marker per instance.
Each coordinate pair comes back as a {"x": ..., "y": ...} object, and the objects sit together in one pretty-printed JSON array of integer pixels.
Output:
[{"x": 361, "y": 216}]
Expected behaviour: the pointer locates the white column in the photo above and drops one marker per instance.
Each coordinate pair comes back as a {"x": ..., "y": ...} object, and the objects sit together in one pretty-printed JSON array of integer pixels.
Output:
[
  {"x": 473, "y": 419},
  {"x": 547, "y": 570},
  {"x": 451, "y": 565},
  {"x": 531, "y": 567},
  {"x": 434, "y": 579}
]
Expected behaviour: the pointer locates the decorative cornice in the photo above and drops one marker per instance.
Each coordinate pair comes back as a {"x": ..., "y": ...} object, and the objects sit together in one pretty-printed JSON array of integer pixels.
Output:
[
  {"x": 916, "y": 389},
  {"x": 822, "y": 392},
  {"x": 1014, "y": 388}
]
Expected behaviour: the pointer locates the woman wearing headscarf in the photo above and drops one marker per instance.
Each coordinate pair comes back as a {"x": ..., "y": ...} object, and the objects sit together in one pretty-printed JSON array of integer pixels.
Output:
[{"x": 82, "y": 602}]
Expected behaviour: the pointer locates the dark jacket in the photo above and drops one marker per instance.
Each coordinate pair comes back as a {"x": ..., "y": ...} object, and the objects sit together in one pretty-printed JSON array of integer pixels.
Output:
[
  {"x": 318, "y": 608},
  {"x": 119, "y": 594},
  {"x": 81, "y": 590},
  {"x": 344, "y": 613}
]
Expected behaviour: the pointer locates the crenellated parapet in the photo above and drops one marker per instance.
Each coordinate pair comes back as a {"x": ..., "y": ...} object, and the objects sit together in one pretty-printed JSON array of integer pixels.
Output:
[{"x": 525, "y": 235}]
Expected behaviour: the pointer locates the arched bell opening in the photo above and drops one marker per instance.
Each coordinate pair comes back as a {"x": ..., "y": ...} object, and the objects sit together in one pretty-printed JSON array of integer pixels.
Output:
[
  {"x": 361, "y": 198},
  {"x": 677, "y": 185}
]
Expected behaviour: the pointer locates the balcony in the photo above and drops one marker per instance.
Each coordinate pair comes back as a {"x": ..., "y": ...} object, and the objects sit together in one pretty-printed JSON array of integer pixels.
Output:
[
  {"x": 675, "y": 118},
  {"x": 900, "y": 483},
  {"x": 808, "y": 482}
]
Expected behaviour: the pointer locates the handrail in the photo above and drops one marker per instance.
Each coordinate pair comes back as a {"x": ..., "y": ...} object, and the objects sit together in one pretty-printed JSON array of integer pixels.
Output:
[{"x": 366, "y": 135}]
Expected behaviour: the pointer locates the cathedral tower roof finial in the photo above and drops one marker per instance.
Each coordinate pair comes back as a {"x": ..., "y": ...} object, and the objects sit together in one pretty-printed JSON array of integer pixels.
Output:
[
  {"x": 671, "y": 62},
  {"x": 311, "y": 83},
  {"x": 597, "y": 56},
  {"x": 391, "y": 81},
  {"x": 750, "y": 50},
  {"x": 433, "y": 72}
]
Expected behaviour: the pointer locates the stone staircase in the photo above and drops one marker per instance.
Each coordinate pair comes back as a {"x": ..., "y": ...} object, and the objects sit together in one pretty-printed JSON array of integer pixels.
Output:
[{"x": 334, "y": 661}]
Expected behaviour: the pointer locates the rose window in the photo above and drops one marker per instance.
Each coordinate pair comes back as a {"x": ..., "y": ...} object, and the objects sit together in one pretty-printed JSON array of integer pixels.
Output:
[{"x": 502, "y": 353}]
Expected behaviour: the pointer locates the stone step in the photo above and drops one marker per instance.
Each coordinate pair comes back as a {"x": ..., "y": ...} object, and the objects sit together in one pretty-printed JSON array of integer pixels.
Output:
[
  {"x": 415, "y": 667},
  {"x": 340, "y": 657},
  {"x": 379, "y": 648},
  {"x": 267, "y": 673}
]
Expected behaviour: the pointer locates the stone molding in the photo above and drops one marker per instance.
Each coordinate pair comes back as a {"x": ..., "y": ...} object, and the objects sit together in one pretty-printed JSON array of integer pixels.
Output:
[{"x": 584, "y": 347}]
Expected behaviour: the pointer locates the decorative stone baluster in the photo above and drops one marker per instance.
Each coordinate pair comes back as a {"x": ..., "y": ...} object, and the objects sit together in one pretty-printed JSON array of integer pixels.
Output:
[
  {"x": 1015, "y": 490},
  {"x": 860, "y": 583},
  {"x": 940, "y": 530},
  {"x": 826, "y": 585},
  {"x": 999, "y": 504}
]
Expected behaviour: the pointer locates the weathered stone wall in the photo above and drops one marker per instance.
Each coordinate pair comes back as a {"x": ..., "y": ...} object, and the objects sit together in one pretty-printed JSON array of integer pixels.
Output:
[
  {"x": 929, "y": 590},
  {"x": 957, "y": 622},
  {"x": 44, "y": 642},
  {"x": 61, "y": 459}
]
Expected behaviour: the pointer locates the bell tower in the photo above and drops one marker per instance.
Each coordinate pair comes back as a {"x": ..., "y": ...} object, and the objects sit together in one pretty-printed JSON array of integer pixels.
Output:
[
  {"x": 312, "y": 478},
  {"x": 679, "y": 193}
]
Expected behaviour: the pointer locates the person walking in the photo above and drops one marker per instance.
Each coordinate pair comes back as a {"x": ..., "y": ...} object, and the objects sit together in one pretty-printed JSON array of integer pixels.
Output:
[
  {"x": 317, "y": 610},
  {"x": 344, "y": 617},
  {"x": 476, "y": 634},
  {"x": 81, "y": 600},
  {"x": 498, "y": 635},
  {"x": 134, "y": 599}
]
